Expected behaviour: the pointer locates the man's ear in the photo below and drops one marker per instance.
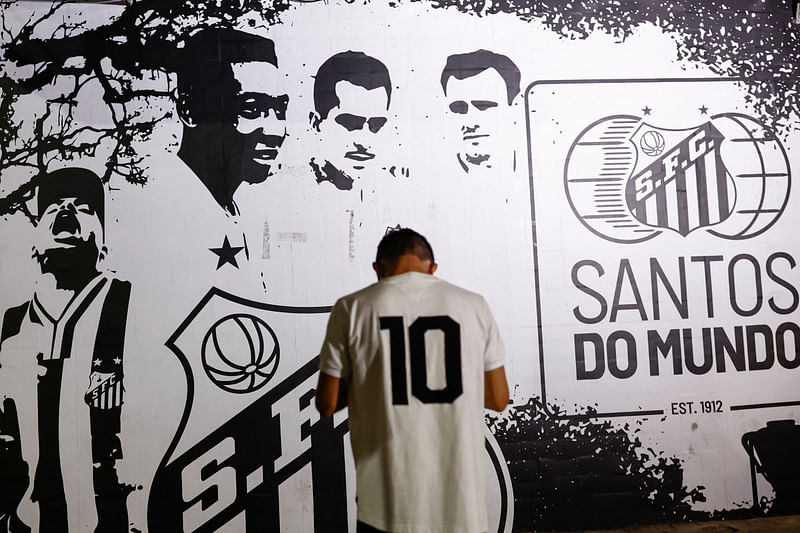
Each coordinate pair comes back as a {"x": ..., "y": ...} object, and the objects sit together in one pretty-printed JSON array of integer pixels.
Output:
[
  {"x": 432, "y": 268},
  {"x": 182, "y": 107},
  {"x": 314, "y": 119}
]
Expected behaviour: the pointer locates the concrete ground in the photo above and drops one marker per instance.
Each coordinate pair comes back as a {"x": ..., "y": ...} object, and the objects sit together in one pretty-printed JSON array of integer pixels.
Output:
[{"x": 777, "y": 524}]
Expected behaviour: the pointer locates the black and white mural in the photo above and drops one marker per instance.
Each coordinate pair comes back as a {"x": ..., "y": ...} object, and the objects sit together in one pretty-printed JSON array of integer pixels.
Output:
[{"x": 187, "y": 186}]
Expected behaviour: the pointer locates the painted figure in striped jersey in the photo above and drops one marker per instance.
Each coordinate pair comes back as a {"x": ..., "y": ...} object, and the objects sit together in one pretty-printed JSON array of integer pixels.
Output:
[{"x": 61, "y": 374}]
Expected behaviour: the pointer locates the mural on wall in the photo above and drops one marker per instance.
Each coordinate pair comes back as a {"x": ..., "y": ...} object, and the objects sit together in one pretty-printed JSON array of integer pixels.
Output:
[
  {"x": 615, "y": 178},
  {"x": 71, "y": 331}
]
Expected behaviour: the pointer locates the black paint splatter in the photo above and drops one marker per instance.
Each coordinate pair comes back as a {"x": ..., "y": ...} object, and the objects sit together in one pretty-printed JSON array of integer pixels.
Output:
[
  {"x": 576, "y": 473},
  {"x": 328, "y": 172},
  {"x": 757, "y": 42}
]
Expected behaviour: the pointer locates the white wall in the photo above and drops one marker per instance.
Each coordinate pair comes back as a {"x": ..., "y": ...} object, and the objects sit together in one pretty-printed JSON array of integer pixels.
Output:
[{"x": 662, "y": 444}]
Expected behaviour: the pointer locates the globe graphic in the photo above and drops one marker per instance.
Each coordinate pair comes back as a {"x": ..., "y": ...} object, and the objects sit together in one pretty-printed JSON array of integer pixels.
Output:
[
  {"x": 596, "y": 171},
  {"x": 756, "y": 161},
  {"x": 240, "y": 353}
]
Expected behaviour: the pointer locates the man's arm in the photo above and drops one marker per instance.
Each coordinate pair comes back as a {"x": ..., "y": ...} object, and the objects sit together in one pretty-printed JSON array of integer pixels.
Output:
[
  {"x": 495, "y": 389},
  {"x": 334, "y": 360},
  {"x": 331, "y": 394}
]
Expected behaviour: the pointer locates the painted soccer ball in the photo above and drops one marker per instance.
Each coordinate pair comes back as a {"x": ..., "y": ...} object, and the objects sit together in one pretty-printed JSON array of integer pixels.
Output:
[
  {"x": 652, "y": 143},
  {"x": 240, "y": 353}
]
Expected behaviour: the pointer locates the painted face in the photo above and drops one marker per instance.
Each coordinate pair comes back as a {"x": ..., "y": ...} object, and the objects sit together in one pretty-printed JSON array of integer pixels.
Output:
[
  {"x": 68, "y": 223},
  {"x": 354, "y": 130},
  {"x": 478, "y": 109},
  {"x": 260, "y": 123}
]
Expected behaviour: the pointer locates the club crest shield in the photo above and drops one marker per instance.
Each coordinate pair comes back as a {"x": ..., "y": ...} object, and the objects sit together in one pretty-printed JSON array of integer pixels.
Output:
[
  {"x": 680, "y": 181},
  {"x": 105, "y": 390},
  {"x": 628, "y": 180},
  {"x": 249, "y": 430}
]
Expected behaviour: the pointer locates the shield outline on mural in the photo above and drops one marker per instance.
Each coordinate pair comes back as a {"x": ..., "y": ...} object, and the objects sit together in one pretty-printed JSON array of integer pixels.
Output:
[
  {"x": 170, "y": 459},
  {"x": 680, "y": 200}
]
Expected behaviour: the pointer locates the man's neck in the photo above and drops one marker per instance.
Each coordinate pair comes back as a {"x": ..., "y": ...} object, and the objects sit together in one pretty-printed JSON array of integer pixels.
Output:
[
  {"x": 53, "y": 298},
  {"x": 209, "y": 170},
  {"x": 410, "y": 263}
]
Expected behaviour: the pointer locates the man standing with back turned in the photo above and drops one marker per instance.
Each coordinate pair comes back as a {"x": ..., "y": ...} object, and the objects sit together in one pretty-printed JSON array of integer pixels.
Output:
[{"x": 416, "y": 359}]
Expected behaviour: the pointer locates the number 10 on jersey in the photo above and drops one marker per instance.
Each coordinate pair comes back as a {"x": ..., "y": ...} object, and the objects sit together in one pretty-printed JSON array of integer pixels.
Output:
[{"x": 418, "y": 358}]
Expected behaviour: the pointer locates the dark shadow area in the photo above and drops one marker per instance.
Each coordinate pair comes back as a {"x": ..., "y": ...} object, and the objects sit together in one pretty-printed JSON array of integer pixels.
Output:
[{"x": 774, "y": 453}]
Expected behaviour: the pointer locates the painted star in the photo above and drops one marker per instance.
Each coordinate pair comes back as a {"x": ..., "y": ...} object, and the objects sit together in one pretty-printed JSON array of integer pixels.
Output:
[
  {"x": 117, "y": 361},
  {"x": 646, "y": 110},
  {"x": 227, "y": 253},
  {"x": 703, "y": 110},
  {"x": 96, "y": 362}
]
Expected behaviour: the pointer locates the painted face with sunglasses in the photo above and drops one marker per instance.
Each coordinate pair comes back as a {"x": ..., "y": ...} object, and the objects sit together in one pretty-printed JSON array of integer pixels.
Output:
[{"x": 352, "y": 132}]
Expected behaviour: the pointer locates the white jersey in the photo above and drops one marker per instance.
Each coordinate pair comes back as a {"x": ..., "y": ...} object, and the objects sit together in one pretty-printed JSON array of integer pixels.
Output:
[{"x": 414, "y": 350}]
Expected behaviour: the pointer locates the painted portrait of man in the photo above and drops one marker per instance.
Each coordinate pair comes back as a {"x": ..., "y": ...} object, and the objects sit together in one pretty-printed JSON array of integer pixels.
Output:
[
  {"x": 233, "y": 114},
  {"x": 61, "y": 370},
  {"x": 480, "y": 88},
  {"x": 352, "y": 94}
]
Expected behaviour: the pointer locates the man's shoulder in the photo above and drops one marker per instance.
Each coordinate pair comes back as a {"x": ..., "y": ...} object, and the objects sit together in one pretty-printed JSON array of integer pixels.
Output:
[
  {"x": 361, "y": 294},
  {"x": 457, "y": 291},
  {"x": 427, "y": 283},
  {"x": 17, "y": 309},
  {"x": 12, "y": 321},
  {"x": 457, "y": 288},
  {"x": 115, "y": 283}
]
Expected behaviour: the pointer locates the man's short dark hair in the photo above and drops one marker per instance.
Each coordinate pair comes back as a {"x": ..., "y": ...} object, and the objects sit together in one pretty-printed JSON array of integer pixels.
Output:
[
  {"x": 461, "y": 66},
  {"x": 80, "y": 183},
  {"x": 206, "y": 84},
  {"x": 355, "y": 67},
  {"x": 403, "y": 241}
]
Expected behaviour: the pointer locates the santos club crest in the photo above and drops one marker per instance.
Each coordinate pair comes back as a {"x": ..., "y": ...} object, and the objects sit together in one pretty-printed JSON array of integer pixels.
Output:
[
  {"x": 684, "y": 188},
  {"x": 628, "y": 180}
]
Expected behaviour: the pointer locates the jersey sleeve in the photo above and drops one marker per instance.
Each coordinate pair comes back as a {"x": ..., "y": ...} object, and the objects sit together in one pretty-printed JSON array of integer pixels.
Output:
[
  {"x": 334, "y": 357},
  {"x": 495, "y": 352}
]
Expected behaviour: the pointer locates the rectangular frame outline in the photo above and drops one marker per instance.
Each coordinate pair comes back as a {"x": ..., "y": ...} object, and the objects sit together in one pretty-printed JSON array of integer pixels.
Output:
[{"x": 539, "y": 331}]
